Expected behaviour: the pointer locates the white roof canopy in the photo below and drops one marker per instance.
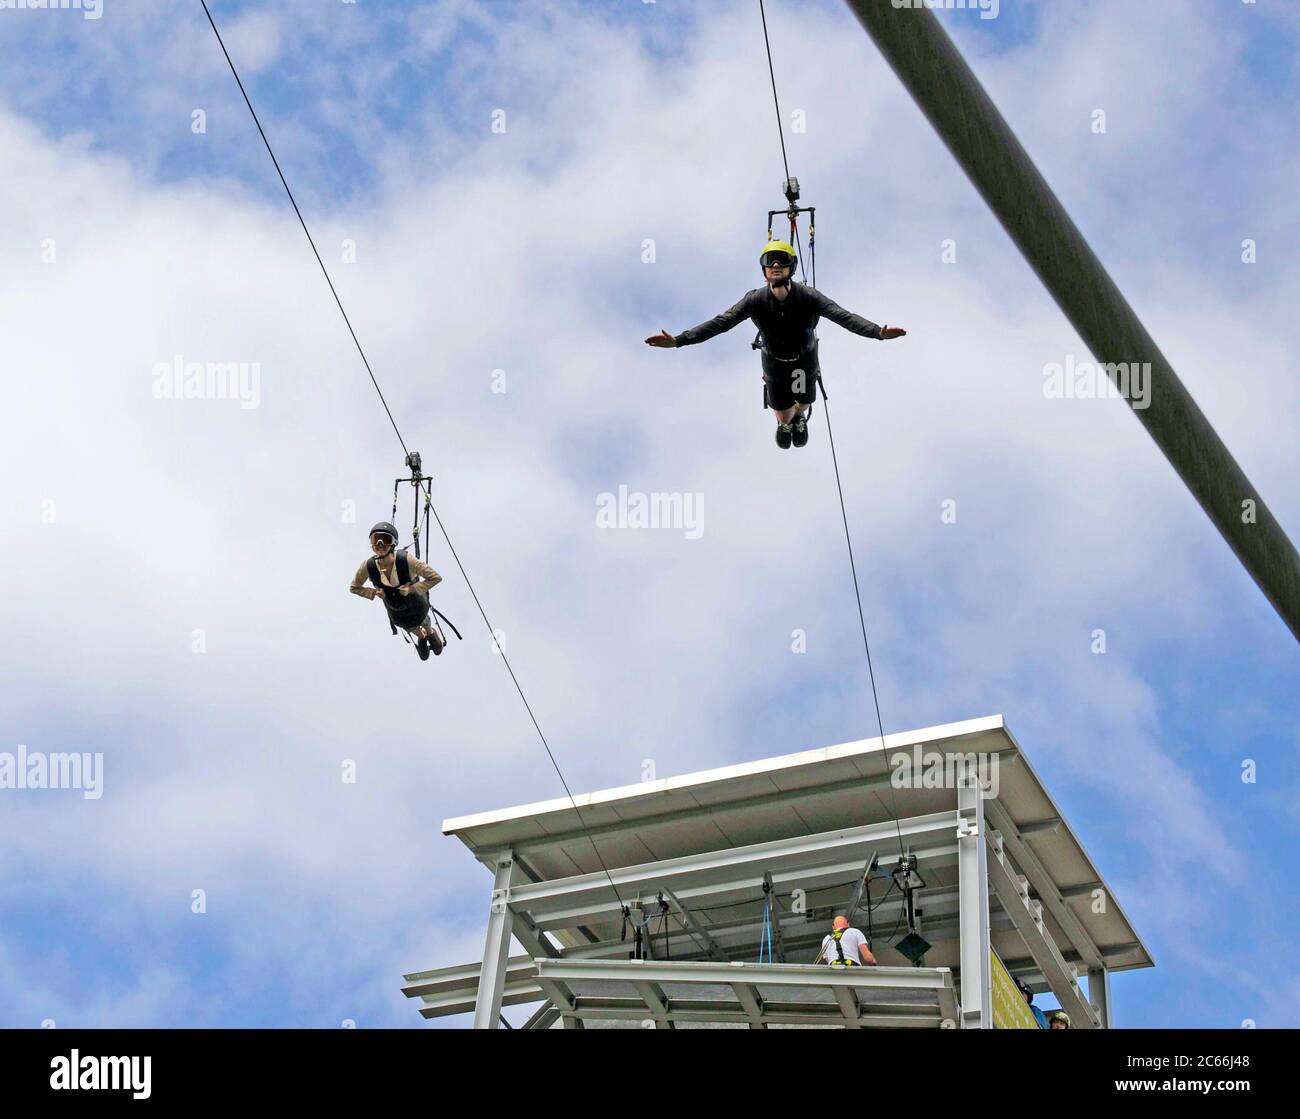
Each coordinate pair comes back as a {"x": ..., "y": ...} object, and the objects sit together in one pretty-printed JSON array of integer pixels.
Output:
[{"x": 706, "y": 832}]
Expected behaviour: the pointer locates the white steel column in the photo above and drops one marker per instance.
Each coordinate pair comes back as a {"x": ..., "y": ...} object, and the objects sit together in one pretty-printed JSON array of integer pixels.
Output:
[
  {"x": 496, "y": 950},
  {"x": 973, "y": 894},
  {"x": 1099, "y": 993}
]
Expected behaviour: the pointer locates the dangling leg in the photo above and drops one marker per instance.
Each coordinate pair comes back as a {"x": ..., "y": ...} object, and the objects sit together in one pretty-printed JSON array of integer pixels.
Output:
[
  {"x": 799, "y": 425},
  {"x": 784, "y": 387},
  {"x": 805, "y": 394},
  {"x": 430, "y": 639},
  {"x": 421, "y": 635},
  {"x": 783, "y": 405}
]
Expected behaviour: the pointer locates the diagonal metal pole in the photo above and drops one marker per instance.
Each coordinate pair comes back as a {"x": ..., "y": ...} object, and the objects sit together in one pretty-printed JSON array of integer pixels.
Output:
[
  {"x": 952, "y": 99},
  {"x": 694, "y": 927}
]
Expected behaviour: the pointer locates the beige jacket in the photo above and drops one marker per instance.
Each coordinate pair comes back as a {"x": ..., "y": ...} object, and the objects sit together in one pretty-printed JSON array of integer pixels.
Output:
[{"x": 428, "y": 578}]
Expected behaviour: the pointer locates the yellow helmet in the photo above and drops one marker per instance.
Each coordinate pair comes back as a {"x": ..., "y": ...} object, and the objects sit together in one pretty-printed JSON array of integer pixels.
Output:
[{"x": 778, "y": 254}]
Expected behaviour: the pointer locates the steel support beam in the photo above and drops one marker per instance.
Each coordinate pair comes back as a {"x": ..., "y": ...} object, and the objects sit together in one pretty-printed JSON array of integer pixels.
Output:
[
  {"x": 848, "y": 1004},
  {"x": 973, "y": 911},
  {"x": 695, "y": 928},
  {"x": 464, "y": 1001},
  {"x": 462, "y": 977},
  {"x": 861, "y": 994},
  {"x": 1099, "y": 994},
  {"x": 587, "y": 898},
  {"x": 496, "y": 949},
  {"x": 711, "y": 1013},
  {"x": 1027, "y": 916},
  {"x": 946, "y": 90},
  {"x": 855, "y": 899},
  {"x": 542, "y": 1018},
  {"x": 1041, "y": 883},
  {"x": 717, "y": 973},
  {"x": 656, "y": 1004},
  {"x": 752, "y": 1002}
]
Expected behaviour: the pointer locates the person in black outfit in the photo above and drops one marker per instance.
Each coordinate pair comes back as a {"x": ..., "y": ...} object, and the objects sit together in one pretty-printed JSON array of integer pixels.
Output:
[{"x": 786, "y": 314}]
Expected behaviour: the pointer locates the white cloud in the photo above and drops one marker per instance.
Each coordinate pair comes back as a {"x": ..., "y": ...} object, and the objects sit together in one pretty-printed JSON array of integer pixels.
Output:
[{"x": 223, "y": 768}]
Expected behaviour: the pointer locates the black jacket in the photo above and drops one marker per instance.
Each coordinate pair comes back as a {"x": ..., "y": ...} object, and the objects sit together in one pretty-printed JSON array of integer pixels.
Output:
[{"x": 786, "y": 324}]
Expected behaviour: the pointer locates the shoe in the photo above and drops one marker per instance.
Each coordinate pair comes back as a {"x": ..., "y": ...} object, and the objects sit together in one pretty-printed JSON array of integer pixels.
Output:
[
  {"x": 422, "y": 647},
  {"x": 437, "y": 642},
  {"x": 799, "y": 430},
  {"x": 783, "y": 436}
]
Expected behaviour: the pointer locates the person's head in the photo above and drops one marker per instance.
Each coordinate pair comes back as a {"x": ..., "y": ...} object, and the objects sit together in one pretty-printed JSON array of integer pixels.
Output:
[
  {"x": 1024, "y": 990},
  {"x": 840, "y": 922},
  {"x": 1059, "y": 1021},
  {"x": 383, "y": 538},
  {"x": 777, "y": 261}
]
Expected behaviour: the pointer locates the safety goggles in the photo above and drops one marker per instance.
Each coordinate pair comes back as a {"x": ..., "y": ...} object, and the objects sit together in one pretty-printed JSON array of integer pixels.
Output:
[{"x": 776, "y": 260}]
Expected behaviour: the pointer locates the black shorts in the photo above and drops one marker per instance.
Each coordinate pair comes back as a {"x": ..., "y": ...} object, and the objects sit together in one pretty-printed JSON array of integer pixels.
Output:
[
  {"x": 407, "y": 612},
  {"x": 786, "y": 383}
]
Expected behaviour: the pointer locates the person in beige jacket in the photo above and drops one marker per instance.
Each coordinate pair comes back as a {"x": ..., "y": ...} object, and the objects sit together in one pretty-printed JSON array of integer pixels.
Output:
[{"x": 402, "y": 582}]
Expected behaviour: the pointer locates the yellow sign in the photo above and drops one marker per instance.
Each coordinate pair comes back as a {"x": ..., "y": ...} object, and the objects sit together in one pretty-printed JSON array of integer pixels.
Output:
[{"x": 1010, "y": 1011}]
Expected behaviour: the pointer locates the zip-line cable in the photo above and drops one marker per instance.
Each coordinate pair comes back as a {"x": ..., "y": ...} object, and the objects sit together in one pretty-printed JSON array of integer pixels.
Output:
[
  {"x": 483, "y": 613},
  {"x": 294, "y": 203},
  {"x": 839, "y": 487},
  {"x": 771, "y": 70}
]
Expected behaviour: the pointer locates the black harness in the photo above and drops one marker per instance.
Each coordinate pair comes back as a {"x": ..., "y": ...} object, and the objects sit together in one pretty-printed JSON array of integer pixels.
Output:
[
  {"x": 808, "y": 350},
  {"x": 843, "y": 960},
  {"x": 404, "y": 610},
  {"x": 403, "y": 571}
]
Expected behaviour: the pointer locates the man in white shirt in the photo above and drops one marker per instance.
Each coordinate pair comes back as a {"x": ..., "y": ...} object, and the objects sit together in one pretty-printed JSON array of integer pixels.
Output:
[{"x": 845, "y": 946}]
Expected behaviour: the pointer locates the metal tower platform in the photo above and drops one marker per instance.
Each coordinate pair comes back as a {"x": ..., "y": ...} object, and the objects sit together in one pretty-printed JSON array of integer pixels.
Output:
[{"x": 1008, "y": 891}]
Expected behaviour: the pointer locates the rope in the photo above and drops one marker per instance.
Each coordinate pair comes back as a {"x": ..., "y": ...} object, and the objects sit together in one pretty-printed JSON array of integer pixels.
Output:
[
  {"x": 862, "y": 622},
  {"x": 324, "y": 271}
]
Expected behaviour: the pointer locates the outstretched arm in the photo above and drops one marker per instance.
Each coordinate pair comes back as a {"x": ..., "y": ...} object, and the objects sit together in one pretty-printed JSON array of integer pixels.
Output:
[
  {"x": 719, "y": 324},
  {"x": 829, "y": 309}
]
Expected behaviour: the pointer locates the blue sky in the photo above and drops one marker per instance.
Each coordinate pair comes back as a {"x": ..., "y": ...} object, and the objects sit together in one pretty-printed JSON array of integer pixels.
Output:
[{"x": 478, "y": 251}]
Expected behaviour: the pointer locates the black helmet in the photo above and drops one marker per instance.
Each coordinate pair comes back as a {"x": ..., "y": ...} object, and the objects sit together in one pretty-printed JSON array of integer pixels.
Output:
[{"x": 386, "y": 529}]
